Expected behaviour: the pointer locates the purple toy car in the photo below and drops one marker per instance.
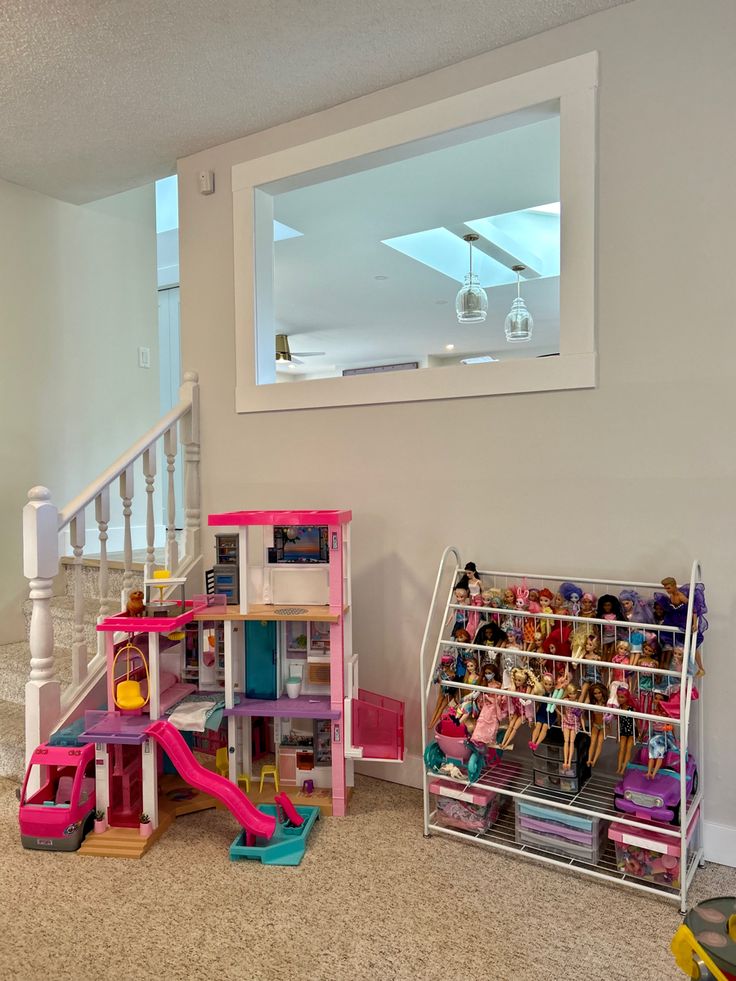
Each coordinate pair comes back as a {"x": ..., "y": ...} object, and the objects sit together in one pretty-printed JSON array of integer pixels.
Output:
[{"x": 657, "y": 799}]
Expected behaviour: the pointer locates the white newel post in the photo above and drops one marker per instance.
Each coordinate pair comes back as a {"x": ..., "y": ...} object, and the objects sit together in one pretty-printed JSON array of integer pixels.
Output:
[
  {"x": 102, "y": 517},
  {"x": 79, "y": 645},
  {"x": 40, "y": 566},
  {"x": 189, "y": 432},
  {"x": 172, "y": 551},
  {"x": 126, "y": 495},
  {"x": 149, "y": 472}
]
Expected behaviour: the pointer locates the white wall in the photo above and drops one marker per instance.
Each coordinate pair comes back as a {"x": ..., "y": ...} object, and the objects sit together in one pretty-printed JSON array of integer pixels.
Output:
[
  {"x": 634, "y": 478},
  {"x": 78, "y": 296}
]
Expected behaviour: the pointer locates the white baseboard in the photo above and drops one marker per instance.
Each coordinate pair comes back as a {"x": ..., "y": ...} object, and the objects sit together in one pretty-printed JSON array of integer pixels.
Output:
[
  {"x": 408, "y": 773},
  {"x": 719, "y": 843}
]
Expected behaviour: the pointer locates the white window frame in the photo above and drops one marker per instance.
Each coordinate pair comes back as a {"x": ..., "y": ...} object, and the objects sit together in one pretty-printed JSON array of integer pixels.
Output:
[{"x": 572, "y": 82}]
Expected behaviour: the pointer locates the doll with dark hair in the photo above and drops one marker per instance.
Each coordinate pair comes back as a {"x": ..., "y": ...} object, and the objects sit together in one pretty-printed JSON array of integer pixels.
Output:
[
  {"x": 609, "y": 608},
  {"x": 597, "y": 695}
]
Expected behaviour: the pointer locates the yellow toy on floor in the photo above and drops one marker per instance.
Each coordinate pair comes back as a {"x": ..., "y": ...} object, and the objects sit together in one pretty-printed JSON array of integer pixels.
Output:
[{"x": 705, "y": 945}]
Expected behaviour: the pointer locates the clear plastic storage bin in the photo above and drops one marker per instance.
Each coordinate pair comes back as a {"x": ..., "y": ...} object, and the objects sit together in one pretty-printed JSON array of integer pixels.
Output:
[{"x": 558, "y": 831}]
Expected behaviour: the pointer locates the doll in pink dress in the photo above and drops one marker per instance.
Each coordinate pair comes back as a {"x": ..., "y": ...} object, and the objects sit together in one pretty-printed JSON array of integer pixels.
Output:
[
  {"x": 621, "y": 656},
  {"x": 521, "y": 710},
  {"x": 493, "y": 710},
  {"x": 474, "y": 616}
]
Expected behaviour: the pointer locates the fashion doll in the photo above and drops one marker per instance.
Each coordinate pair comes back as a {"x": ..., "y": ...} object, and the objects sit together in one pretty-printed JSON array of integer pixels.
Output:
[
  {"x": 490, "y": 635},
  {"x": 676, "y": 614},
  {"x": 661, "y": 739},
  {"x": 620, "y": 697},
  {"x": 544, "y": 716},
  {"x": 622, "y": 655},
  {"x": 445, "y": 696},
  {"x": 598, "y": 695},
  {"x": 590, "y": 674},
  {"x": 509, "y": 598},
  {"x": 609, "y": 608},
  {"x": 570, "y": 723},
  {"x": 635, "y": 608},
  {"x": 521, "y": 709},
  {"x": 493, "y": 710},
  {"x": 545, "y": 602},
  {"x": 474, "y": 583},
  {"x": 530, "y": 627},
  {"x": 467, "y": 711},
  {"x": 460, "y": 617},
  {"x": 474, "y": 616},
  {"x": 587, "y": 605},
  {"x": 647, "y": 659},
  {"x": 572, "y": 595}
]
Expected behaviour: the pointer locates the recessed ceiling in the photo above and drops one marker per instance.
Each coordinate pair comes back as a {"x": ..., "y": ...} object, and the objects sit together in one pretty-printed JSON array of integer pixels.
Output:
[{"x": 97, "y": 98}]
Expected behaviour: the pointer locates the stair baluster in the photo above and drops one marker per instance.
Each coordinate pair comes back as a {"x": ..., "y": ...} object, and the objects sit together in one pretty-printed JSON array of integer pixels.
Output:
[
  {"x": 149, "y": 472},
  {"x": 79, "y": 645},
  {"x": 172, "y": 549},
  {"x": 189, "y": 433},
  {"x": 102, "y": 516},
  {"x": 126, "y": 495}
]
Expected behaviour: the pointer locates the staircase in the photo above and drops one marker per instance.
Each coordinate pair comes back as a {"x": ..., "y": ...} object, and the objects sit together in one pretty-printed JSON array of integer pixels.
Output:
[
  {"x": 15, "y": 658},
  {"x": 55, "y": 674}
]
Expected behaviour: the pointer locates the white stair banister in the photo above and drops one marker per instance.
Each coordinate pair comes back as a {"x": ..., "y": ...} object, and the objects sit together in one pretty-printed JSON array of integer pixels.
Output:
[
  {"x": 78, "y": 537},
  {"x": 126, "y": 495},
  {"x": 189, "y": 434},
  {"x": 40, "y": 565},
  {"x": 172, "y": 551},
  {"x": 149, "y": 472},
  {"x": 102, "y": 517}
]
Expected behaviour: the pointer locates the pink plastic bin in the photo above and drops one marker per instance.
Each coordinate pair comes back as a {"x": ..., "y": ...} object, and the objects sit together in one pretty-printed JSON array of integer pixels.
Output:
[{"x": 649, "y": 855}]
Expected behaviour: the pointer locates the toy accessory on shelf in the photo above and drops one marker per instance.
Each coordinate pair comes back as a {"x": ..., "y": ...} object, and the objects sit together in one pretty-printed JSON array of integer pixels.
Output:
[
  {"x": 134, "y": 607},
  {"x": 127, "y": 694},
  {"x": 657, "y": 799}
]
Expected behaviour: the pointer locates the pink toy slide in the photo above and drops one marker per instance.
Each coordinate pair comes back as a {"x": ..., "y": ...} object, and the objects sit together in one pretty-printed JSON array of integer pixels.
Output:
[{"x": 248, "y": 816}]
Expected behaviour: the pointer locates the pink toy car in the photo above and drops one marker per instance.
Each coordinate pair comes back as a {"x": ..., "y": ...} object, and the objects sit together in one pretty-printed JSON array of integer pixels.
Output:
[{"x": 58, "y": 816}]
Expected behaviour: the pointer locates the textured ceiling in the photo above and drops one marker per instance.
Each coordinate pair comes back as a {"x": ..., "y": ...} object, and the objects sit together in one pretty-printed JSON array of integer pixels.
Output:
[{"x": 98, "y": 96}]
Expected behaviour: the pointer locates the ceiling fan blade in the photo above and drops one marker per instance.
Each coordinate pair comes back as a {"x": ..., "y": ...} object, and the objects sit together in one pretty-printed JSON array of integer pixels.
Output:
[{"x": 309, "y": 354}]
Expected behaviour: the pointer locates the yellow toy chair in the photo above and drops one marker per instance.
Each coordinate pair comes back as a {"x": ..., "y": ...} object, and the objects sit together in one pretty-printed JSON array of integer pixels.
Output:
[
  {"x": 221, "y": 761},
  {"x": 270, "y": 770},
  {"x": 127, "y": 694},
  {"x": 244, "y": 778}
]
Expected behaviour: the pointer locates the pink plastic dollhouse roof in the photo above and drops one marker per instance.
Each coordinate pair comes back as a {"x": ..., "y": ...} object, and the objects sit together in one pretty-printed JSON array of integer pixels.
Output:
[{"x": 230, "y": 518}]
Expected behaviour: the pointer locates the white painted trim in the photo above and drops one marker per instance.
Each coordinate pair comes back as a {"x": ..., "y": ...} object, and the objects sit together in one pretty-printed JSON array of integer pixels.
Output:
[
  {"x": 719, "y": 843},
  {"x": 574, "y": 84}
]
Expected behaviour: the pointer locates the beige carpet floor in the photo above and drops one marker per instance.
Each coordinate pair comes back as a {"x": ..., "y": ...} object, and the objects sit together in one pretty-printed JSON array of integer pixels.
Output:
[{"x": 371, "y": 900}]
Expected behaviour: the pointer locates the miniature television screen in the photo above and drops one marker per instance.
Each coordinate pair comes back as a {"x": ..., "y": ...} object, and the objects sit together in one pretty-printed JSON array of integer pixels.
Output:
[{"x": 299, "y": 543}]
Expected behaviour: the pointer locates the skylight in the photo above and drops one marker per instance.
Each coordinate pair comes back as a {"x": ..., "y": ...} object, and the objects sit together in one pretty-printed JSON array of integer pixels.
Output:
[
  {"x": 282, "y": 231},
  {"x": 530, "y": 238}
]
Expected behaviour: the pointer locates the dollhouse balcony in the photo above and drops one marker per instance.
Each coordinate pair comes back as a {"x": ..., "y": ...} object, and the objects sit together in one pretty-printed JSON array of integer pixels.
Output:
[{"x": 303, "y": 707}]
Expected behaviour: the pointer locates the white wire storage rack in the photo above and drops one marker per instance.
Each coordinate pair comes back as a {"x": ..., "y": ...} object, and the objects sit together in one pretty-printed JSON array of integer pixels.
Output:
[{"x": 512, "y": 777}]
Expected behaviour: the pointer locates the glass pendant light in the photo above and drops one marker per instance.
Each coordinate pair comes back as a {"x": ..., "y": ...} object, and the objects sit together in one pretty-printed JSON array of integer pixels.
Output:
[
  {"x": 471, "y": 303},
  {"x": 519, "y": 323}
]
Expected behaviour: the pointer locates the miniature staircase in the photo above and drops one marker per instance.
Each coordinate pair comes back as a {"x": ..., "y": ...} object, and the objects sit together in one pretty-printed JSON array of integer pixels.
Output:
[{"x": 15, "y": 658}]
